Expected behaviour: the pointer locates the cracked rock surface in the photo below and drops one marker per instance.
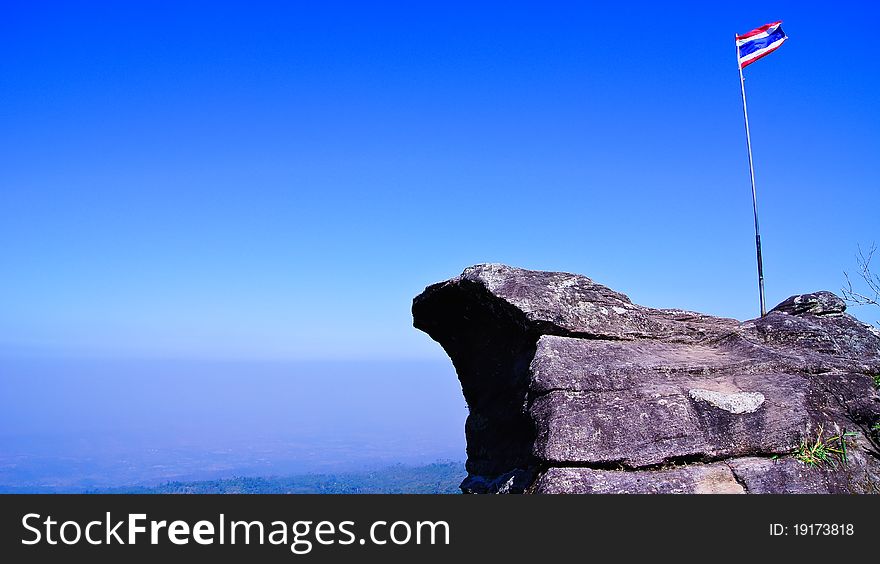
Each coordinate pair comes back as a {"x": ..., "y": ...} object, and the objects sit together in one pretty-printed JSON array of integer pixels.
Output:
[{"x": 572, "y": 388}]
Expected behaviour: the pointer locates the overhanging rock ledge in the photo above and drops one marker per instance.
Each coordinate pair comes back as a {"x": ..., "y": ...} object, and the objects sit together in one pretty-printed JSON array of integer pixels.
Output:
[{"x": 572, "y": 388}]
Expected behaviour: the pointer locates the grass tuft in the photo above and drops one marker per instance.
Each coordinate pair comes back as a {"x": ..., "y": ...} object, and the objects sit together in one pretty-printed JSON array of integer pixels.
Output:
[{"x": 824, "y": 451}]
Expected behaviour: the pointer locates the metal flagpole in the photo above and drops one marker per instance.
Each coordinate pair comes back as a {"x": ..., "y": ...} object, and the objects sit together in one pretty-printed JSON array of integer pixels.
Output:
[{"x": 742, "y": 83}]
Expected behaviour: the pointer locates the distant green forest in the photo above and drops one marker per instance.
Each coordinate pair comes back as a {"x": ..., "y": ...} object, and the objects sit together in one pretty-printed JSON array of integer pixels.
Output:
[{"x": 437, "y": 478}]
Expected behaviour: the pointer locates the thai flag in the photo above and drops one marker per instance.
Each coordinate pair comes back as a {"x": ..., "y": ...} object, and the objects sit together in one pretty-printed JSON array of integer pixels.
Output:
[{"x": 759, "y": 43}]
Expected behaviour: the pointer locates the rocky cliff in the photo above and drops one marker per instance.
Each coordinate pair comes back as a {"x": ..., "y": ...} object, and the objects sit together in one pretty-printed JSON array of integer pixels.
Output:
[{"x": 572, "y": 388}]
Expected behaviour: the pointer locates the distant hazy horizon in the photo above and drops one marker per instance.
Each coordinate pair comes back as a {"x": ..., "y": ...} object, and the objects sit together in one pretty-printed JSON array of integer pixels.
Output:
[{"x": 96, "y": 422}]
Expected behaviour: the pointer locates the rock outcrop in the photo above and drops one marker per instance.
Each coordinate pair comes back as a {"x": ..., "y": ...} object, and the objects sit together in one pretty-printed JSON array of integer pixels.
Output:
[{"x": 572, "y": 388}]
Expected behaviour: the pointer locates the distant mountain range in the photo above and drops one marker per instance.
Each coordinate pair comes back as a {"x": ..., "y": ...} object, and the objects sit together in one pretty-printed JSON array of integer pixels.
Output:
[{"x": 436, "y": 478}]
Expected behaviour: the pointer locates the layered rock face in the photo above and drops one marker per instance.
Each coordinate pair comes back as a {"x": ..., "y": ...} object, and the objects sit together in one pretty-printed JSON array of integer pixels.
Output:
[{"x": 572, "y": 388}]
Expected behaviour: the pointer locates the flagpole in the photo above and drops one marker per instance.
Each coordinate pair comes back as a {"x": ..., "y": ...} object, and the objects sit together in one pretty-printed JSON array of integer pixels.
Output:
[{"x": 742, "y": 83}]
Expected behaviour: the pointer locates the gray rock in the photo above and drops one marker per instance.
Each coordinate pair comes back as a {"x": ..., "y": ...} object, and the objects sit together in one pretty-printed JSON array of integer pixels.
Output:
[
  {"x": 703, "y": 478},
  {"x": 761, "y": 475},
  {"x": 737, "y": 476},
  {"x": 573, "y": 388},
  {"x": 817, "y": 303},
  {"x": 648, "y": 415}
]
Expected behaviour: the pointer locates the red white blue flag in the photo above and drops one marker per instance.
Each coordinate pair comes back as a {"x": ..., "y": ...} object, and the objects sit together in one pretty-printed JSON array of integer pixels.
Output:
[{"x": 759, "y": 43}]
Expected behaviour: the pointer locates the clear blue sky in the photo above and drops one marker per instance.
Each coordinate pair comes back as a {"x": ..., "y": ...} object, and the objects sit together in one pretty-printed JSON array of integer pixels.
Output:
[{"x": 277, "y": 181}]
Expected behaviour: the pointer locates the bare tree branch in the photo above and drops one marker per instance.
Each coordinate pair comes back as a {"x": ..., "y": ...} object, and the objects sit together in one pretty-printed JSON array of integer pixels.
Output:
[{"x": 870, "y": 293}]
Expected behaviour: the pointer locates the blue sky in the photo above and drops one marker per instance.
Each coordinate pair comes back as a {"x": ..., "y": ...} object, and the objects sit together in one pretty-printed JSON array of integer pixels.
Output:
[{"x": 277, "y": 181}]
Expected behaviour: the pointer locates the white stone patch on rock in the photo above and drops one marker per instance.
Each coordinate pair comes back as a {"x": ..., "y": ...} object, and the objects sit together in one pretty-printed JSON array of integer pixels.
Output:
[
  {"x": 507, "y": 486},
  {"x": 567, "y": 282},
  {"x": 492, "y": 275},
  {"x": 739, "y": 402},
  {"x": 619, "y": 310}
]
